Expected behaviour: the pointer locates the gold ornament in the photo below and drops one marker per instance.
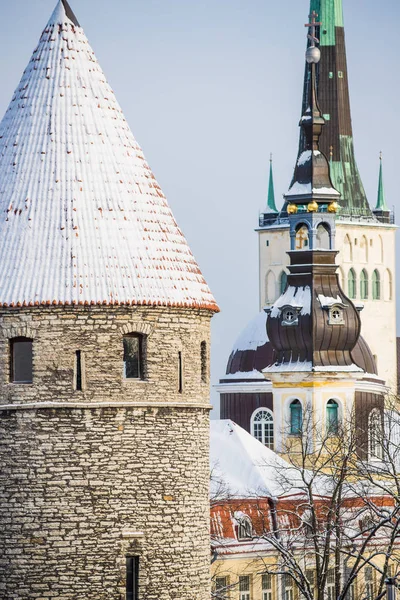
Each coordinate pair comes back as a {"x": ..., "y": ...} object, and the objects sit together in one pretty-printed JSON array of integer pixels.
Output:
[
  {"x": 312, "y": 207},
  {"x": 333, "y": 207},
  {"x": 292, "y": 209}
]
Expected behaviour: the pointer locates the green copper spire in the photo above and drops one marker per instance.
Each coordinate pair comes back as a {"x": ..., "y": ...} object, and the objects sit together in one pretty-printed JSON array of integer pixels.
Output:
[
  {"x": 271, "y": 189},
  {"x": 381, "y": 203}
]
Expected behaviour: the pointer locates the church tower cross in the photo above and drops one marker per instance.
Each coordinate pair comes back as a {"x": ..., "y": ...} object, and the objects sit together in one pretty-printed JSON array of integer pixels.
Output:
[{"x": 312, "y": 26}]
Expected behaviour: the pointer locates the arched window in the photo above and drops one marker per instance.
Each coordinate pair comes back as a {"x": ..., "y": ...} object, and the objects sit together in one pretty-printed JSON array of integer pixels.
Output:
[
  {"x": 376, "y": 285},
  {"x": 302, "y": 241},
  {"x": 364, "y": 249},
  {"x": 296, "y": 417},
  {"x": 21, "y": 363},
  {"x": 133, "y": 356},
  {"x": 347, "y": 250},
  {"x": 381, "y": 249},
  {"x": 332, "y": 417},
  {"x": 388, "y": 285},
  {"x": 375, "y": 434},
  {"x": 263, "y": 427},
  {"x": 323, "y": 237},
  {"x": 282, "y": 282},
  {"x": 270, "y": 287},
  {"x": 364, "y": 285},
  {"x": 352, "y": 284},
  {"x": 245, "y": 528}
]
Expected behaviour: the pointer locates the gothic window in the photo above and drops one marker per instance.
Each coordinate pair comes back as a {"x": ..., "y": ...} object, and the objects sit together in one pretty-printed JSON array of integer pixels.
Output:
[
  {"x": 375, "y": 434},
  {"x": 296, "y": 417},
  {"x": 364, "y": 285},
  {"x": 332, "y": 417},
  {"x": 376, "y": 285},
  {"x": 263, "y": 427},
  {"x": 323, "y": 237},
  {"x": 266, "y": 586},
  {"x": 388, "y": 285},
  {"x": 21, "y": 363},
  {"x": 347, "y": 250},
  {"x": 133, "y": 356},
  {"x": 352, "y": 284},
  {"x": 203, "y": 358},
  {"x": 245, "y": 528},
  {"x": 282, "y": 282},
  {"x": 244, "y": 587},
  {"x": 270, "y": 287}
]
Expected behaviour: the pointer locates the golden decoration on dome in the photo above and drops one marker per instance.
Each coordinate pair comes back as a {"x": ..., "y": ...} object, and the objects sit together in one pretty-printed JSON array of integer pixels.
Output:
[
  {"x": 292, "y": 209},
  {"x": 333, "y": 207},
  {"x": 312, "y": 207}
]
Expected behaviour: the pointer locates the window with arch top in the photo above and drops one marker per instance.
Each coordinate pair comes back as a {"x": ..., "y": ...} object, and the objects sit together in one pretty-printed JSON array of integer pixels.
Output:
[
  {"x": 302, "y": 237},
  {"x": 262, "y": 426},
  {"x": 352, "y": 284},
  {"x": 376, "y": 285},
  {"x": 332, "y": 417},
  {"x": 364, "y": 285},
  {"x": 296, "y": 417},
  {"x": 133, "y": 356},
  {"x": 245, "y": 528},
  {"x": 282, "y": 282},
  {"x": 323, "y": 237}
]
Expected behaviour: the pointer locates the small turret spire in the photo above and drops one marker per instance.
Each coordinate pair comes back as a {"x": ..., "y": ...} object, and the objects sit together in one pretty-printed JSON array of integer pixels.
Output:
[
  {"x": 271, "y": 189},
  {"x": 381, "y": 203}
]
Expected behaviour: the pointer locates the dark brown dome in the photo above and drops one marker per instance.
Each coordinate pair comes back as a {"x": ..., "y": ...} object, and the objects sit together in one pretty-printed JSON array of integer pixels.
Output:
[
  {"x": 252, "y": 351},
  {"x": 363, "y": 357}
]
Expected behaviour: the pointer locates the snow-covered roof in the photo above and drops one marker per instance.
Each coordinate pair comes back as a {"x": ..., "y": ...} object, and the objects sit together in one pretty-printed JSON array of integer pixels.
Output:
[
  {"x": 254, "y": 335},
  {"x": 299, "y": 297},
  {"x": 242, "y": 467},
  {"x": 82, "y": 218}
]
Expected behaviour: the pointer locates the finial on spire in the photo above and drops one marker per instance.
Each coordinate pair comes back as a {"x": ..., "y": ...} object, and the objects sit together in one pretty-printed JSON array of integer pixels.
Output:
[{"x": 313, "y": 54}]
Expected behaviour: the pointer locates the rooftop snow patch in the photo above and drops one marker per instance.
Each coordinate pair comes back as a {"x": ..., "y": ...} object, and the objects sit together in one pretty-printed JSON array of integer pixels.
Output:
[
  {"x": 299, "y": 297},
  {"x": 82, "y": 217},
  {"x": 254, "y": 335}
]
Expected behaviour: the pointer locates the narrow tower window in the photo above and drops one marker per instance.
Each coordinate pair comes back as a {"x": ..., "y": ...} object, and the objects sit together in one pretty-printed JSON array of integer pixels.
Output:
[
  {"x": 296, "y": 417},
  {"x": 78, "y": 371},
  {"x": 376, "y": 285},
  {"x": 203, "y": 358},
  {"x": 352, "y": 284},
  {"x": 332, "y": 417},
  {"x": 364, "y": 285},
  {"x": 133, "y": 356},
  {"x": 180, "y": 373},
  {"x": 21, "y": 363},
  {"x": 132, "y": 578},
  {"x": 375, "y": 432}
]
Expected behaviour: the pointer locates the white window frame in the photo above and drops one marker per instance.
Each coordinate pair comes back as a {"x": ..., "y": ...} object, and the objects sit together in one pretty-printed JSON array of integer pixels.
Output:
[{"x": 264, "y": 424}]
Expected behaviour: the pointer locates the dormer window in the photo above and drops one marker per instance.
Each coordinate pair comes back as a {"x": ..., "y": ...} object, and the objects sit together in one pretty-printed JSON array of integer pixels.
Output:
[
  {"x": 336, "y": 315},
  {"x": 245, "y": 527},
  {"x": 290, "y": 315}
]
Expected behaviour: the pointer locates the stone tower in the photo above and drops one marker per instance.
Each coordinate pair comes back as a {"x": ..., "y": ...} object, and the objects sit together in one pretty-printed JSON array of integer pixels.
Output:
[{"x": 104, "y": 350}]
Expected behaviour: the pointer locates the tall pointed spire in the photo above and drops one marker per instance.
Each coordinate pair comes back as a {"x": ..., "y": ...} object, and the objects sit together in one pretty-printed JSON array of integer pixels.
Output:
[
  {"x": 271, "y": 189},
  {"x": 381, "y": 211},
  {"x": 333, "y": 94}
]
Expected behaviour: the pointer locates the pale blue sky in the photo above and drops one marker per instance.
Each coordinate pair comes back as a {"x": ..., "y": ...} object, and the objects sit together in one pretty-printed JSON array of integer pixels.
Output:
[{"x": 209, "y": 89}]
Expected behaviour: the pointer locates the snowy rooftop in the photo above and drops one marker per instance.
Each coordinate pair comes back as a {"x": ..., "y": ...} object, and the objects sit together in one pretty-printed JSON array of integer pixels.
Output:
[
  {"x": 242, "y": 467},
  {"x": 82, "y": 218}
]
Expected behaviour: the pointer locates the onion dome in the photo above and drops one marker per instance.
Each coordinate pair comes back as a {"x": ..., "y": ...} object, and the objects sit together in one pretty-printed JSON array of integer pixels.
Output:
[
  {"x": 252, "y": 351},
  {"x": 363, "y": 357},
  {"x": 82, "y": 217},
  {"x": 313, "y": 325}
]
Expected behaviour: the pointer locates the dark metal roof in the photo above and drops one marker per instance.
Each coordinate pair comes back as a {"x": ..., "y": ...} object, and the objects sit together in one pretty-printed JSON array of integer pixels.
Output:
[{"x": 70, "y": 13}]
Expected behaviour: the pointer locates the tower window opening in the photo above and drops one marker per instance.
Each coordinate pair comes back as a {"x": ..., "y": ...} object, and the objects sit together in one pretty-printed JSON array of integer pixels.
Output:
[
  {"x": 21, "y": 363},
  {"x": 132, "y": 578},
  {"x": 180, "y": 373},
  {"x": 375, "y": 434},
  {"x": 203, "y": 358},
  {"x": 332, "y": 417},
  {"x": 263, "y": 427},
  {"x": 352, "y": 284},
  {"x": 78, "y": 371},
  {"x": 364, "y": 285},
  {"x": 376, "y": 285},
  {"x": 133, "y": 356},
  {"x": 302, "y": 236},
  {"x": 296, "y": 417}
]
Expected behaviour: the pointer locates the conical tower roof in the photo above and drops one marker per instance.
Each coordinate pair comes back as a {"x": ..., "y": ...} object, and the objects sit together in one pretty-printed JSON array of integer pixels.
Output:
[{"x": 82, "y": 218}]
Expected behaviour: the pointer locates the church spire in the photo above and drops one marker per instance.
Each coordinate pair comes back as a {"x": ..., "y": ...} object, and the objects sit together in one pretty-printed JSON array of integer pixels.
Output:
[
  {"x": 271, "y": 189},
  {"x": 334, "y": 100}
]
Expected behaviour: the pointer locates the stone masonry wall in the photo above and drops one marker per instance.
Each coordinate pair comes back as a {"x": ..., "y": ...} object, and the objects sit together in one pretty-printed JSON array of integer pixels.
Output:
[{"x": 118, "y": 469}]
